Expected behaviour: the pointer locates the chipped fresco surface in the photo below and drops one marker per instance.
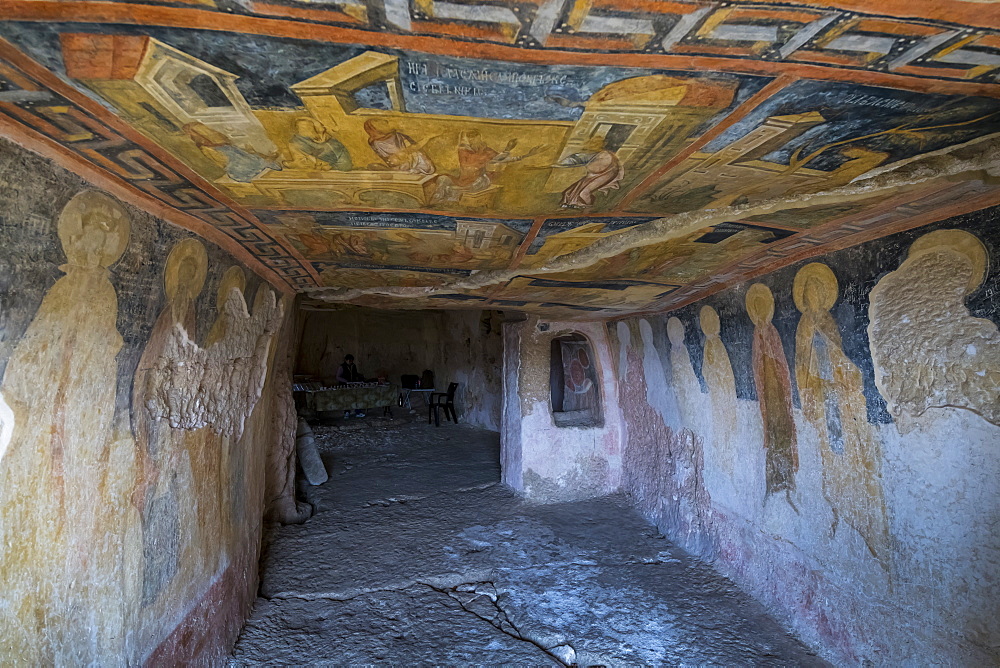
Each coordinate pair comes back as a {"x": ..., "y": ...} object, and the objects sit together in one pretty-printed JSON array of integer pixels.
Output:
[
  {"x": 887, "y": 513},
  {"x": 132, "y": 470}
]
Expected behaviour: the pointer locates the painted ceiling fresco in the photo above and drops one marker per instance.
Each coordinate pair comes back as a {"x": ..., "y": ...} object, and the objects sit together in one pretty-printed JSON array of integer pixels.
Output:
[{"x": 577, "y": 158}]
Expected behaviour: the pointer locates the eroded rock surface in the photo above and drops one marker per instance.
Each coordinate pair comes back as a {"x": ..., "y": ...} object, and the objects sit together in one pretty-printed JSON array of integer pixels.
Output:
[{"x": 418, "y": 556}]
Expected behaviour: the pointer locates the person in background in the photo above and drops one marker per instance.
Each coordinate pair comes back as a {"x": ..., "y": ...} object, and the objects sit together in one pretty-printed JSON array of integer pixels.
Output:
[{"x": 348, "y": 373}]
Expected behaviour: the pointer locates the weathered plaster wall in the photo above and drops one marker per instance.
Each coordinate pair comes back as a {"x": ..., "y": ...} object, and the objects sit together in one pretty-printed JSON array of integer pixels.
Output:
[
  {"x": 138, "y": 407},
  {"x": 544, "y": 461},
  {"x": 464, "y": 347},
  {"x": 828, "y": 435}
]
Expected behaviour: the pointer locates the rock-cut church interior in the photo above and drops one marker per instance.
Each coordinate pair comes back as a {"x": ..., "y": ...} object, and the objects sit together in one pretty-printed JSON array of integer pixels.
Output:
[{"x": 482, "y": 332}]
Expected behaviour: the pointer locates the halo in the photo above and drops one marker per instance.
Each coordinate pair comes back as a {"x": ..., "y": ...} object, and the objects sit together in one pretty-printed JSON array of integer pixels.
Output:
[
  {"x": 675, "y": 331},
  {"x": 183, "y": 250},
  {"x": 760, "y": 304},
  {"x": 90, "y": 204},
  {"x": 962, "y": 242},
  {"x": 234, "y": 277},
  {"x": 822, "y": 277},
  {"x": 709, "y": 320}
]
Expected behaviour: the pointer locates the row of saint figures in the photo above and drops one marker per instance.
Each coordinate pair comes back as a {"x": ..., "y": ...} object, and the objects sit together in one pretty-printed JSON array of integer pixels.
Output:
[
  {"x": 115, "y": 522},
  {"x": 928, "y": 350}
]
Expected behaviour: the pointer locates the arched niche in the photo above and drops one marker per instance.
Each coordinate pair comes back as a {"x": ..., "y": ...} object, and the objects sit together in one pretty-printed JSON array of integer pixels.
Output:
[{"x": 574, "y": 386}]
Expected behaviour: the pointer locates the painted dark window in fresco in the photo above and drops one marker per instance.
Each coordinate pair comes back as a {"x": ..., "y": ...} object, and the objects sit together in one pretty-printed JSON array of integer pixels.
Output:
[
  {"x": 375, "y": 96},
  {"x": 208, "y": 90},
  {"x": 575, "y": 395}
]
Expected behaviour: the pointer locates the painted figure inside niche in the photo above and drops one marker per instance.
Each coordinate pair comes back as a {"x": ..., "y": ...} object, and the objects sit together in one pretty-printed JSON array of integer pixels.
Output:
[
  {"x": 477, "y": 167},
  {"x": 165, "y": 469},
  {"x": 579, "y": 377},
  {"x": 718, "y": 372},
  {"x": 774, "y": 394},
  {"x": 314, "y": 148},
  {"x": 399, "y": 153},
  {"x": 833, "y": 400},
  {"x": 240, "y": 164},
  {"x": 62, "y": 479},
  {"x": 603, "y": 173},
  {"x": 929, "y": 351}
]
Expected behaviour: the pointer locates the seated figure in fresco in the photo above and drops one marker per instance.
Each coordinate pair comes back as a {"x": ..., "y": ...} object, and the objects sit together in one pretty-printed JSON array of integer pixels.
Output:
[
  {"x": 604, "y": 172},
  {"x": 477, "y": 164},
  {"x": 314, "y": 148},
  {"x": 240, "y": 164},
  {"x": 399, "y": 153}
]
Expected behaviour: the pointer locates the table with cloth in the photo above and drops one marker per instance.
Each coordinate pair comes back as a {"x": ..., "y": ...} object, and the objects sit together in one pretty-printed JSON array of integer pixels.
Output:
[{"x": 346, "y": 397}]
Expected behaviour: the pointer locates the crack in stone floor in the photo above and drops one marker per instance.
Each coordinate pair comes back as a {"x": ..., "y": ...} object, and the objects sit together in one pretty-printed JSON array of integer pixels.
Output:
[{"x": 417, "y": 556}]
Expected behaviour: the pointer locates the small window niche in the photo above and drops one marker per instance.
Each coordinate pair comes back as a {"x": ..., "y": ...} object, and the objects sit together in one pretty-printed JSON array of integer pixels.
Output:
[{"x": 575, "y": 392}]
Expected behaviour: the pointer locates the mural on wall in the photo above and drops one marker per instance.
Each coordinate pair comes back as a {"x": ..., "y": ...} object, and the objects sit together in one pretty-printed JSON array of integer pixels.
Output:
[
  {"x": 265, "y": 138},
  {"x": 815, "y": 136},
  {"x": 883, "y": 439},
  {"x": 125, "y": 445},
  {"x": 774, "y": 393},
  {"x": 400, "y": 130},
  {"x": 928, "y": 349},
  {"x": 717, "y": 370},
  {"x": 60, "y": 383},
  {"x": 832, "y": 396}
]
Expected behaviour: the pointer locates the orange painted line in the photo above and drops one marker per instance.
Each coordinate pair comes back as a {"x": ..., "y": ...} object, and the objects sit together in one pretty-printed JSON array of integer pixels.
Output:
[
  {"x": 711, "y": 48},
  {"x": 459, "y": 30},
  {"x": 947, "y": 71},
  {"x": 182, "y": 17},
  {"x": 797, "y": 15},
  {"x": 827, "y": 58},
  {"x": 10, "y": 53},
  {"x": 529, "y": 238},
  {"x": 267, "y": 9},
  {"x": 648, "y": 6},
  {"x": 577, "y": 41},
  {"x": 737, "y": 114},
  {"x": 38, "y": 143}
]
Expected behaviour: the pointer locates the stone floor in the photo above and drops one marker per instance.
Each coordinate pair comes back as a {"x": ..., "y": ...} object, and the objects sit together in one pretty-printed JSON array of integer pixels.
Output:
[{"x": 418, "y": 556}]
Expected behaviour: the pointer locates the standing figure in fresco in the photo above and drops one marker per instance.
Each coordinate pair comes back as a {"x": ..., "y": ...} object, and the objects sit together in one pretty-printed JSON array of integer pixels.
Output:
[
  {"x": 774, "y": 394},
  {"x": 314, "y": 148},
  {"x": 832, "y": 394},
  {"x": 164, "y": 468},
  {"x": 240, "y": 164},
  {"x": 685, "y": 381},
  {"x": 604, "y": 172},
  {"x": 929, "y": 351},
  {"x": 63, "y": 479},
  {"x": 213, "y": 459},
  {"x": 477, "y": 163},
  {"x": 399, "y": 153},
  {"x": 718, "y": 372}
]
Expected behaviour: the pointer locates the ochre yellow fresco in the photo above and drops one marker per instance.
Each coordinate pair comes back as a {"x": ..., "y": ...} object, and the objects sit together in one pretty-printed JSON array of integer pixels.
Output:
[
  {"x": 833, "y": 400},
  {"x": 65, "y": 478}
]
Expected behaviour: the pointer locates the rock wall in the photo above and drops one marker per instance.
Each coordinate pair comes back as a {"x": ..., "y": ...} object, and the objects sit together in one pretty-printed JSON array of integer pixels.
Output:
[
  {"x": 542, "y": 460},
  {"x": 828, "y": 435},
  {"x": 464, "y": 347},
  {"x": 138, "y": 405}
]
